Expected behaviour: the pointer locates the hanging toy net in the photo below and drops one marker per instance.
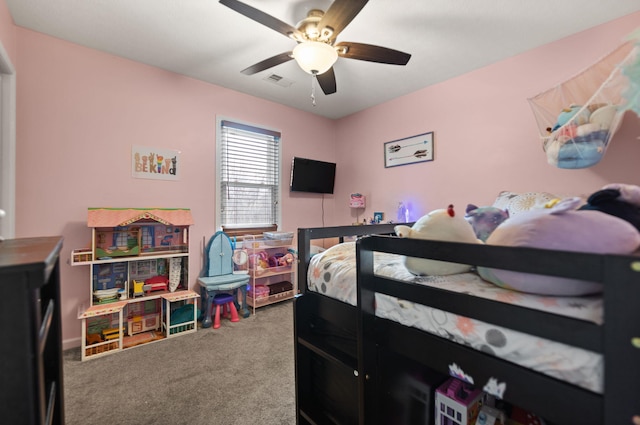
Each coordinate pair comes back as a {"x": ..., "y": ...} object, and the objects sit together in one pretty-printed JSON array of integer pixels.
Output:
[
  {"x": 631, "y": 70},
  {"x": 578, "y": 117}
]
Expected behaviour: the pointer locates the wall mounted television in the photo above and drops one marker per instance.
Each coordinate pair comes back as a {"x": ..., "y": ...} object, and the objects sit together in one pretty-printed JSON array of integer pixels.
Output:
[{"x": 310, "y": 175}]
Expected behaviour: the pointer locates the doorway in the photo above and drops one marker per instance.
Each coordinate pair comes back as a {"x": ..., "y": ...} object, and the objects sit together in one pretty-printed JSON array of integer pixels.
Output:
[{"x": 7, "y": 146}]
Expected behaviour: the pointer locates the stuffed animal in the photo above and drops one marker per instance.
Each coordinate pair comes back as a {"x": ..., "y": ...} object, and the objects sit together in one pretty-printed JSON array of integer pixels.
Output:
[
  {"x": 259, "y": 262},
  {"x": 273, "y": 261},
  {"x": 571, "y": 114},
  {"x": 484, "y": 220},
  {"x": 442, "y": 225},
  {"x": 620, "y": 200},
  {"x": 285, "y": 260},
  {"x": 560, "y": 227},
  {"x": 583, "y": 135},
  {"x": 628, "y": 192},
  {"x": 580, "y": 152}
]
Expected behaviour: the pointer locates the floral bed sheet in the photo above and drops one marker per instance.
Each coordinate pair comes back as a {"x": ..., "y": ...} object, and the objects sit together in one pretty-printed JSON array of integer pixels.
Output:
[{"x": 333, "y": 273}]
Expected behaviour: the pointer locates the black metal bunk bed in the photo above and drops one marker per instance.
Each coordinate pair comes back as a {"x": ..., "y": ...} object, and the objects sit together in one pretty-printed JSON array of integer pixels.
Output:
[
  {"x": 325, "y": 332},
  {"x": 556, "y": 401},
  {"x": 346, "y": 357}
]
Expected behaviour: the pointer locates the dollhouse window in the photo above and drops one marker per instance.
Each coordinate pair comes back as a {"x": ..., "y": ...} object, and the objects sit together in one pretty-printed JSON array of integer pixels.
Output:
[
  {"x": 147, "y": 237},
  {"x": 248, "y": 176},
  {"x": 120, "y": 237}
]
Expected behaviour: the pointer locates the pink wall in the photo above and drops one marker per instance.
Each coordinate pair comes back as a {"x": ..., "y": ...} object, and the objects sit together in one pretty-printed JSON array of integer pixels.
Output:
[
  {"x": 486, "y": 139},
  {"x": 79, "y": 113}
]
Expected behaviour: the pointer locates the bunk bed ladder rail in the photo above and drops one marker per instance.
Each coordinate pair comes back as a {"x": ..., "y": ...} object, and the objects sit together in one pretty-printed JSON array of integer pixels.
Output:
[
  {"x": 334, "y": 347},
  {"x": 621, "y": 339}
]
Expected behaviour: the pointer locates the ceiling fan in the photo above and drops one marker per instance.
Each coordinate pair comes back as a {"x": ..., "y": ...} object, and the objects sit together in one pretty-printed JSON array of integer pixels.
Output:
[{"x": 316, "y": 51}]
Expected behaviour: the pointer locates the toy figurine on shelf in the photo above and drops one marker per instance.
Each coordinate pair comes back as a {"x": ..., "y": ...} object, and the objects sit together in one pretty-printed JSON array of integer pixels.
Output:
[
  {"x": 138, "y": 288},
  {"x": 156, "y": 283},
  {"x": 286, "y": 260},
  {"x": 403, "y": 213}
]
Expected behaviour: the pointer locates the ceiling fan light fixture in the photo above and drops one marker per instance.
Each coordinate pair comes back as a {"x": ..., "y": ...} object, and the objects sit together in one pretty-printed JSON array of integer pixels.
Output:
[
  {"x": 326, "y": 33},
  {"x": 315, "y": 57}
]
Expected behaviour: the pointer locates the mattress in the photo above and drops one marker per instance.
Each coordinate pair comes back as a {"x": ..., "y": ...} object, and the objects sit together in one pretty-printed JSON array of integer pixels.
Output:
[{"x": 333, "y": 273}]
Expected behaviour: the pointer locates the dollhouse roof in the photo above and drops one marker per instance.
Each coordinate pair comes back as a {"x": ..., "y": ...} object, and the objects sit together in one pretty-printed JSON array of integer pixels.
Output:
[{"x": 112, "y": 217}]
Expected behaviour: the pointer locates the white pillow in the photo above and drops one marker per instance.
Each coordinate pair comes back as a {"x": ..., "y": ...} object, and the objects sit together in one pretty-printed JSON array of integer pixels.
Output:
[
  {"x": 503, "y": 199},
  {"x": 517, "y": 203}
]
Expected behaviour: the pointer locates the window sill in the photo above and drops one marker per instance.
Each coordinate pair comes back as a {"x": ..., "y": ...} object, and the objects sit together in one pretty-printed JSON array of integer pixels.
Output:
[{"x": 242, "y": 231}]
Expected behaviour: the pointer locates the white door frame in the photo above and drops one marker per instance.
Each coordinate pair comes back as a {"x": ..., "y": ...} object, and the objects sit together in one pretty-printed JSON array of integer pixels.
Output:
[{"x": 7, "y": 145}]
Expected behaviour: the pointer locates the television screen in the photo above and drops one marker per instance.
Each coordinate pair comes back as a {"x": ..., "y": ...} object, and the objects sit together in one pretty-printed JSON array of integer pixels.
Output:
[{"x": 309, "y": 175}]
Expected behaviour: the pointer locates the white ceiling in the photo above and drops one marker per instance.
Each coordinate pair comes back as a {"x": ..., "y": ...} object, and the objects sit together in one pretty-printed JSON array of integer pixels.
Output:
[{"x": 210, "y": 42}]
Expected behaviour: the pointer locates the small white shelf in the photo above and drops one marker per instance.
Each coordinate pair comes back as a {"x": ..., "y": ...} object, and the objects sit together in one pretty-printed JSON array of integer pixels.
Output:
[
  {"x": 271, "y": 299},
  {"x": 258, "y": 248},
  {"x": 271, "y": 271}
]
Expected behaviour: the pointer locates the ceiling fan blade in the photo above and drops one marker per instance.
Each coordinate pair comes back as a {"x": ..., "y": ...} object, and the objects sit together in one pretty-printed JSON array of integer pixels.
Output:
[
  {"x": 371, "y": 53},
  {"x": 327, "y": 81},
  {"x": 339, "y": 15},
  {"x": 263, "y": 18},
  {"x": 268, "y": 63}
]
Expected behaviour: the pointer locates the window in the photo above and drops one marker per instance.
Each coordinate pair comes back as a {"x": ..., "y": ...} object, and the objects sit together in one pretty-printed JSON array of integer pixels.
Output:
[
  {"x": 147, "y": 237},
  {"x": 248, "y": 176}
]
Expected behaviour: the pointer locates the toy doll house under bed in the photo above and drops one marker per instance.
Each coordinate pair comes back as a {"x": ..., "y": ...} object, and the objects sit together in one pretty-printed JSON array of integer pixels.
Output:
[{"x": 374, "y": 352}]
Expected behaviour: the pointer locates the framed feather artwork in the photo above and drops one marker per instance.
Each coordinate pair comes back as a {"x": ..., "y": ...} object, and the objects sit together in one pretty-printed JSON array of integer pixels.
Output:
[{"x": 409, "y": 150}]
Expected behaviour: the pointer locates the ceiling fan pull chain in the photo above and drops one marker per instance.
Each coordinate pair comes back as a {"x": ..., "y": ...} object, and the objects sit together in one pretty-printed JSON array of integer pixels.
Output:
[{"x": 313, "y": 89}]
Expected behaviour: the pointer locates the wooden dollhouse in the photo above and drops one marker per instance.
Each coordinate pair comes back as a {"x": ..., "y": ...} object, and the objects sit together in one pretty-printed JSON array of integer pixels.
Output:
[{"x": 138, "y": 278}]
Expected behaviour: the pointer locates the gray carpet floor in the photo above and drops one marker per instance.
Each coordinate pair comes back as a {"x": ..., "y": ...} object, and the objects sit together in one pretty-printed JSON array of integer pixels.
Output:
[{"x": 241, "y": 373}]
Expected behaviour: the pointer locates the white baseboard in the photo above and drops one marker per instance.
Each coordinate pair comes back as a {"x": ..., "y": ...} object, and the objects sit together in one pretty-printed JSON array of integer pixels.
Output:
[{"x": 71, "y": 343}]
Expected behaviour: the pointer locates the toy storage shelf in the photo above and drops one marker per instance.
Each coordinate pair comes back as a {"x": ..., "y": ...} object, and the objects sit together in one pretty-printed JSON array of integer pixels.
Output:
[
  {"x": 138, "y": 279},
  {"x": 270, "y": 281},
  {"x": 271, "y": 271},
  {"x": 271, "y": 299}
]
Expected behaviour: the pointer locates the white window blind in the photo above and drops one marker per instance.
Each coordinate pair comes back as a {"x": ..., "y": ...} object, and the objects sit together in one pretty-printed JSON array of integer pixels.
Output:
[{"x": 249, "y": 175}]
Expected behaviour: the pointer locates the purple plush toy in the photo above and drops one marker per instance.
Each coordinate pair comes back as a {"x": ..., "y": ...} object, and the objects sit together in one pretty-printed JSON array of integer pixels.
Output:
[
  {"x": 620, "y": 200},
  {"x": 484, "y": 220},
  {"x": 562, "y": 228}
]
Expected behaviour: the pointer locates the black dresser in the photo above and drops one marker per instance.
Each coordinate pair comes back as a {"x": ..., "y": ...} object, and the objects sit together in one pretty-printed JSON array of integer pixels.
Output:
[{"x": 31, "y": 387}]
